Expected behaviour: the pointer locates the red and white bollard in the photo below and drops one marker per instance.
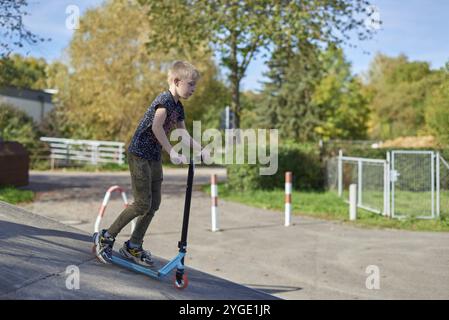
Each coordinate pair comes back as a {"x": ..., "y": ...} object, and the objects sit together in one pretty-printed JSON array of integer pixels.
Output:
[
  {"x": 214, "y": 202},
  {"x": 105, "y": 203},
  {"x": 288, "y": 198}
]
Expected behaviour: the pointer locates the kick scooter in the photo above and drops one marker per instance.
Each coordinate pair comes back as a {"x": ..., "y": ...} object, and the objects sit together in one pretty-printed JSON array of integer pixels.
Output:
[{"x": 177, "y": 262}]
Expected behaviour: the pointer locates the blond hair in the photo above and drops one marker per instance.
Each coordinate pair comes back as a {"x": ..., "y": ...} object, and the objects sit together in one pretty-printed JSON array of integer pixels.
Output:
[{"x": 182, "y": 70}]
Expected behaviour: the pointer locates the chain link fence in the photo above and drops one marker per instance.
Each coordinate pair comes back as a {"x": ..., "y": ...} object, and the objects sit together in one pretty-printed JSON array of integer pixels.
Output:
[
  {"x": 407, "y": 184},
  {"x": 413, "y": 184},
  {"x": 368, "y": 174}
]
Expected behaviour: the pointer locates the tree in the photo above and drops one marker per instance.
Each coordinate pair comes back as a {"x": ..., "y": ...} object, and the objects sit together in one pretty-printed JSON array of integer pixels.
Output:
[
  {"x": 312, "y": 95},
  {"x": 18, "y": 126},
  {"x": 13, "y": 31},
  {"x": 238, "y": 30},
  {"x": 339, "y": 100},
  {"x": 23, "y": 72},
  {"x": 112, "y": 78},
  {"x": 399, "y": 89},
  {"x": 437, "y": 109},
  {"x": 288, "y": 94}
]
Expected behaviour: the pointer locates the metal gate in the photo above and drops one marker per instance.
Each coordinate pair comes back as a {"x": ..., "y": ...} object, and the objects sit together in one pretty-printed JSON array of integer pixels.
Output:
[
  {"x": 413, "y": 184},
  {"x": 372, "y": 179}
]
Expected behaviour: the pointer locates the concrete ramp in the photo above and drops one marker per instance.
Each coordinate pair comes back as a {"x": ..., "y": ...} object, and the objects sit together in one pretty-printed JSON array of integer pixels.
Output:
[{"x": 38, "y": 258}]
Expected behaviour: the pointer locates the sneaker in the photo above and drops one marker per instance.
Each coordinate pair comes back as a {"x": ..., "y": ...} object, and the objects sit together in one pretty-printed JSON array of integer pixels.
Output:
[
  {"x": 138, "y": 255},
  {"x": 103, "y": 246}
]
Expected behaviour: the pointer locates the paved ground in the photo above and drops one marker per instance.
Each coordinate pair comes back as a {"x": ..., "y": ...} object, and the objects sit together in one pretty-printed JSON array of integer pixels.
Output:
[
  {"x": 312, "y": 259},
  {"x": 38, "y": 258}
]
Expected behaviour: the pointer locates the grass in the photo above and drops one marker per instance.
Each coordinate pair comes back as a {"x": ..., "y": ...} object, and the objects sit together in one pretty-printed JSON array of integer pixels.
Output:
[
  {"x": 326, "y": 205},
  {"x": 407, "y": 203},
  {"x": 13, "y": 195}
]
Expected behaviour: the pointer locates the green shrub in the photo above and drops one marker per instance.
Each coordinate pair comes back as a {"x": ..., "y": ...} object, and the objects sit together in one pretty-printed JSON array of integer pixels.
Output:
[
  {"x": 303, "y": 160},
  {"x": 16, "y": 125}
]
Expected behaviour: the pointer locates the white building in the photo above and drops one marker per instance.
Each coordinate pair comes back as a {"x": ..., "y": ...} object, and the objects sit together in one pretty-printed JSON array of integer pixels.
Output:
[{"x": 35, "y": 103}]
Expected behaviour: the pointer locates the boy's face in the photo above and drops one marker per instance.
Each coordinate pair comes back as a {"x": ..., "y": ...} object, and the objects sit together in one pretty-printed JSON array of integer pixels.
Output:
[{"x": 185, "y": 87}]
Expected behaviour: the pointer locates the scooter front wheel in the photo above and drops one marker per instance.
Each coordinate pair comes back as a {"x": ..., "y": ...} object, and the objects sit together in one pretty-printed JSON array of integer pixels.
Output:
[{"x": 181, "y": 281}]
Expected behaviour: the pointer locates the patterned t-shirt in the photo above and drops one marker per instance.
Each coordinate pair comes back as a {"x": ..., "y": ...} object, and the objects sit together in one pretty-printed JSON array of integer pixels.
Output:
[{"x": 144, "y": 143}]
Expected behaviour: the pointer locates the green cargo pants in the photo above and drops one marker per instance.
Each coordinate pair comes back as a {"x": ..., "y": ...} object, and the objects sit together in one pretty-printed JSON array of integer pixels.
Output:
[{"x": 146, "y": 181}]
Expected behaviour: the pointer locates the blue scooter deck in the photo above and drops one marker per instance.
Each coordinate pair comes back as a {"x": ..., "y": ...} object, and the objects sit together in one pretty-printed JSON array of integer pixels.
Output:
[
  {"x": 128, "y": 264},
  {"x": 149, "y": 271}
]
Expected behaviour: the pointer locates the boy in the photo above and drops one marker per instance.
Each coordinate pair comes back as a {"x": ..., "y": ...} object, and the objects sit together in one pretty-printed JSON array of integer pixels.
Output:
[{"x": 144, "y": 158}]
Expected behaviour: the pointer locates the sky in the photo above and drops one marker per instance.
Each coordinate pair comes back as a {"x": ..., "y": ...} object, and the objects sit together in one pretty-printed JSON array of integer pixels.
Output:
[{"x": 416, "y": 28}]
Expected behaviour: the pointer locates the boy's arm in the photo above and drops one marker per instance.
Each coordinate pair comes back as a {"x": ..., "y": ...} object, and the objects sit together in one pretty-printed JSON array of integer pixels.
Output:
[
  {"x": 157, "y": 127},
  {"x": 196, "y": 146}
]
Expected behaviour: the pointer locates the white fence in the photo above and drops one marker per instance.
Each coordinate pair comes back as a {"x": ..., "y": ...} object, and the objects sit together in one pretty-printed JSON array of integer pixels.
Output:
[
  {"x": 91, "y": 151},
  {"x": 406, "y": 184}
]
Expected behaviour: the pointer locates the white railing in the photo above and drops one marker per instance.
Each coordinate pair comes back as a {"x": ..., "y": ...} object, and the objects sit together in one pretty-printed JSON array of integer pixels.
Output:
[{"x": 91, "y": 151}]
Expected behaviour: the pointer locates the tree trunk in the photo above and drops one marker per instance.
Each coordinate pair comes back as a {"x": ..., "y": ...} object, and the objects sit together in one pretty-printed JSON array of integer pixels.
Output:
[
  {"x": 235, "y": 105},
  {"x": 235, "y": 78}
]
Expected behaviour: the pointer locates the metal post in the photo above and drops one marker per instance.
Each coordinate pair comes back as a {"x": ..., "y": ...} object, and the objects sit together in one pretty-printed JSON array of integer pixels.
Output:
[
  {"x": 120, "y": 155},
  {"x": 438, "y": 183},
  {"x": 340, "y": 173},
  {"x": 392, "y": 183},
  {"x": 353, "y": 202},
  {"x": 387, "y": 186},
  {"x": 360, "y": 180},
  {"x": 67, "y": 159},
  {"x": 432, "y": 165},
  {"x": 92, "y": 153}
]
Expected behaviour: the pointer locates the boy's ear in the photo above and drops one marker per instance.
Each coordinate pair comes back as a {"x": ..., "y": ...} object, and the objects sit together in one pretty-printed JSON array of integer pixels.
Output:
[{"x": 176, "y": 81}]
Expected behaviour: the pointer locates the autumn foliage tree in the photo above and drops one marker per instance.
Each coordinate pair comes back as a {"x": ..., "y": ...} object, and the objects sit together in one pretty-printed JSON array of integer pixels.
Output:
[
  {"x": 437, "y": 109},
  {"x": 23, "y": 72},
  {"x": 399, "y": 89},
  {"x": 112, "y": 78}
]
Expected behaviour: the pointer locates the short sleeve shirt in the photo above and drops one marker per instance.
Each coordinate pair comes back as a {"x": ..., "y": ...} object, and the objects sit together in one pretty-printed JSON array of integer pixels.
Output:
[{"x": 144, "y": 143}]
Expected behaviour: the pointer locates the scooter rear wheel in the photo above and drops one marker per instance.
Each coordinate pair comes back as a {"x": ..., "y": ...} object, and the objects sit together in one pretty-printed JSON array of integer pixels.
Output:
[
  {"x": 181, "y": 281},
  {"x": 94, "y": 251}
]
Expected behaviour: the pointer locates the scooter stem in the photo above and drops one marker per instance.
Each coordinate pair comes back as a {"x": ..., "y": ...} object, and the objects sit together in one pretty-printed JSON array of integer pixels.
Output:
[{"x": 185, "y": 222}]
